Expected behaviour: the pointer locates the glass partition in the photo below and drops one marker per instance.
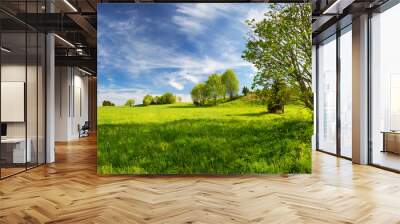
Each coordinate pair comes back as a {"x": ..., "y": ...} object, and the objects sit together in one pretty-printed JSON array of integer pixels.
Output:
[
  {"x": 385, "y": 89},
  {"x": 22, "y": 77},
  {"x": 41, "y": 88},
  {"x": 346, "y": 92},
  {"x": 31, "y": 99},
  {"x": 327, "y": 95},
  {"x": 13, "y": 114}
]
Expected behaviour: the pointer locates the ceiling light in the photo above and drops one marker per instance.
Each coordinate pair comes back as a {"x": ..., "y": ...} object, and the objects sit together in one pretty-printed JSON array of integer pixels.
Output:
[
  {"x": 86, "y": 72},
  {"x": 5, "y": 50},
  {"x": 337, "y": 7},
  {"x": 65, "y": 41},
  {"x": 70, "y": 5}
]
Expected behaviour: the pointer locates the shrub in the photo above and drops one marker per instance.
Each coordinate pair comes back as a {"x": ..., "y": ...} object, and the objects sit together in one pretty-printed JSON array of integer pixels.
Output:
[{"x": 108, "y": 103}]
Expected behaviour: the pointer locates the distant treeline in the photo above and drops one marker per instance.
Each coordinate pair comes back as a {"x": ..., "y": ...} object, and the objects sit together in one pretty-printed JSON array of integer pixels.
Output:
[
  {"x": 166, "y": 98},
  {"x": 218, "y": 87}
]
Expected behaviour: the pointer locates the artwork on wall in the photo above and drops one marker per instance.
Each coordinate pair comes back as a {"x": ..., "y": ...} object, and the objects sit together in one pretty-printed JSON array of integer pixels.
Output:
[{"x": 200, "y": 89}]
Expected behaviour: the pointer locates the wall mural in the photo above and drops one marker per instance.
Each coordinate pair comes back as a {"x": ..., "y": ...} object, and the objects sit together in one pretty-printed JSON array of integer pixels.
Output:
[{"x": 204, "y": 88}]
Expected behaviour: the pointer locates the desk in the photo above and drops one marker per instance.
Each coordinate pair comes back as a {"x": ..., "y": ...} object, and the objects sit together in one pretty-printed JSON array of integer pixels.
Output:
[
  {"x": 391, "y": 141},
  {"x": 14, "y": 150}
]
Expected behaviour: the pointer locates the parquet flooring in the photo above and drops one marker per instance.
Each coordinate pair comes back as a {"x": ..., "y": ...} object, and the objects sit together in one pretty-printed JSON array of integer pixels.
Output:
[{"x": 69, "y": 191}]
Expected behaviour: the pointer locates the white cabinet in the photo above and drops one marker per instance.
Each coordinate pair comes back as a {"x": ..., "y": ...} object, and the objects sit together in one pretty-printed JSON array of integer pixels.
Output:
[{"x": 19, "y": 155}]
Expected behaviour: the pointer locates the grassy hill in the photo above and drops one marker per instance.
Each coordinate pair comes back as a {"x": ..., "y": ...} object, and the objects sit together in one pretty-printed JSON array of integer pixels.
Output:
[{"x": 234, "y": 137}]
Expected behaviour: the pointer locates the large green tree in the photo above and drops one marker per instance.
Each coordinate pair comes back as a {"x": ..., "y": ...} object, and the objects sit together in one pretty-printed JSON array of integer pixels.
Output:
[
  {"x": 215, "y": 87},
  {"x": 279, "y": 46},
  {"x": 231, "y": 83}
]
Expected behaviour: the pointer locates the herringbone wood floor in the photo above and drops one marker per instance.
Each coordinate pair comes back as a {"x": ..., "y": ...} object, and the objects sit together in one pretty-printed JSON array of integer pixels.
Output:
[{"x": 69, "y": 191}]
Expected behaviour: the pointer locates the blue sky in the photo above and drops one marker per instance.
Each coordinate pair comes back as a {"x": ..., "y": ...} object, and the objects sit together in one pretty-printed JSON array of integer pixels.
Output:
[{"x": 155, "y": 48}]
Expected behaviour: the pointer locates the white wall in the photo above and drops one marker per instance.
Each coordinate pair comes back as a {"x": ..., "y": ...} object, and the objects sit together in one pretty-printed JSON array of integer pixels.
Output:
[{"x": 71, "y": 94}]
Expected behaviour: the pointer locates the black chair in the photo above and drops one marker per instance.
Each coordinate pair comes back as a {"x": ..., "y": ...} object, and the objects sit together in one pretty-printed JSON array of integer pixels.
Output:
[{"x": 84, "y": 130}]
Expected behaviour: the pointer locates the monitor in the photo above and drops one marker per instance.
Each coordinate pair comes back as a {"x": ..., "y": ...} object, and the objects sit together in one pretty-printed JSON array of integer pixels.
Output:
[{"x": 3, "y": 129}]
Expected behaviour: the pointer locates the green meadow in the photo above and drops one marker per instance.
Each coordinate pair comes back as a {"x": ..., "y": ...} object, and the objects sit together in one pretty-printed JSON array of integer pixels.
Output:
[{"x": 235, "y": 137}]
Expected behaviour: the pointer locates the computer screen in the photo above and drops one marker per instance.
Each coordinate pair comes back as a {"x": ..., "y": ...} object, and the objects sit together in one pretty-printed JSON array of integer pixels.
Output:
[{"x": 3, "y": 129}]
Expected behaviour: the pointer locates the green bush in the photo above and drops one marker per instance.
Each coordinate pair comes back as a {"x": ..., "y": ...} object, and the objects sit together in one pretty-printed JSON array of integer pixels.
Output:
[{"x": 108, "y": 103}]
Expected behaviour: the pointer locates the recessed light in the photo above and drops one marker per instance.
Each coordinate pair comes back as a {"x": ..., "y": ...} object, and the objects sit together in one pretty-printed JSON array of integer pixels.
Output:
[
  {"x": 5, "y": 50},
  {"x": 70, "y": 5},
  {"x": 64, "y": 40},
  {"x": 86, "y": 72}
]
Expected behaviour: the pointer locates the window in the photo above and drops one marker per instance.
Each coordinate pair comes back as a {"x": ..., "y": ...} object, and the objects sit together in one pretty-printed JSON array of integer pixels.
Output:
[
  {"x": 346, "y": 92},
  {"x": 385, "y": 89},
  {"x": 327, "y": 95}
]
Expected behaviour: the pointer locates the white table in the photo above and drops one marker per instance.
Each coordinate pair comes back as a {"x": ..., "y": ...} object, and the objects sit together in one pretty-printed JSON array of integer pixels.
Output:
[{"x": 19, "y": 153}]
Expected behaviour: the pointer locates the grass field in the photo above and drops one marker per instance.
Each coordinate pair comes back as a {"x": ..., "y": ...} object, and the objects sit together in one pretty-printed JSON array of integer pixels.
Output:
[{"x": 232, "y": 138}]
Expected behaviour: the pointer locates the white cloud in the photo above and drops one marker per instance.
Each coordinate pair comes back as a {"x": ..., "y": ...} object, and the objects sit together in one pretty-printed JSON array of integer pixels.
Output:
[
  {"x": 192, "y": 19},
  {"x": 187, "y": 25},
  {"x": 257, "y": 14},
  {"x": 189, "y": 77},
  {"x": 176, "y": 85}
]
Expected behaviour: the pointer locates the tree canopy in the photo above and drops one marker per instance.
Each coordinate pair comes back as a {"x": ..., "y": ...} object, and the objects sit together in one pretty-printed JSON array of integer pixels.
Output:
[
  {"x": 199, "y": 94},
  {"x": 245, "y": 91},
  {"x": 215, "y": 87},
  {"x": 147, "y": 100},
  {"x": 130, "y": 103},
  {"x": 231, "y": 83},
  {"x": 280, "y": 48},
  {"x": 168, "y": 98}
]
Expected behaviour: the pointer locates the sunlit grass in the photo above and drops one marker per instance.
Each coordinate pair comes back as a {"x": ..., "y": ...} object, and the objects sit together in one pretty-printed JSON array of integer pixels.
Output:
[{"x": 232, "y": 138}]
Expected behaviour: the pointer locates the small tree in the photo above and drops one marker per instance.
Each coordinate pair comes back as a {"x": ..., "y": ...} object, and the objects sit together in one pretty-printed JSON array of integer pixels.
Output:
[
  {"x": 199, "y": 94},
  {"x": 168, "y": 98},
  {"x": 245, "y": 91},
  {"x": 215, "y": 88},
  {"x": 147, "y": 100},
  {"x": 108, "y": 103},
  {"x": 196, "y": 94},
  {"x": 231, "y": 83},
  {"x": 156, "y": 100},
  {"x": 130, "y": 103}
]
